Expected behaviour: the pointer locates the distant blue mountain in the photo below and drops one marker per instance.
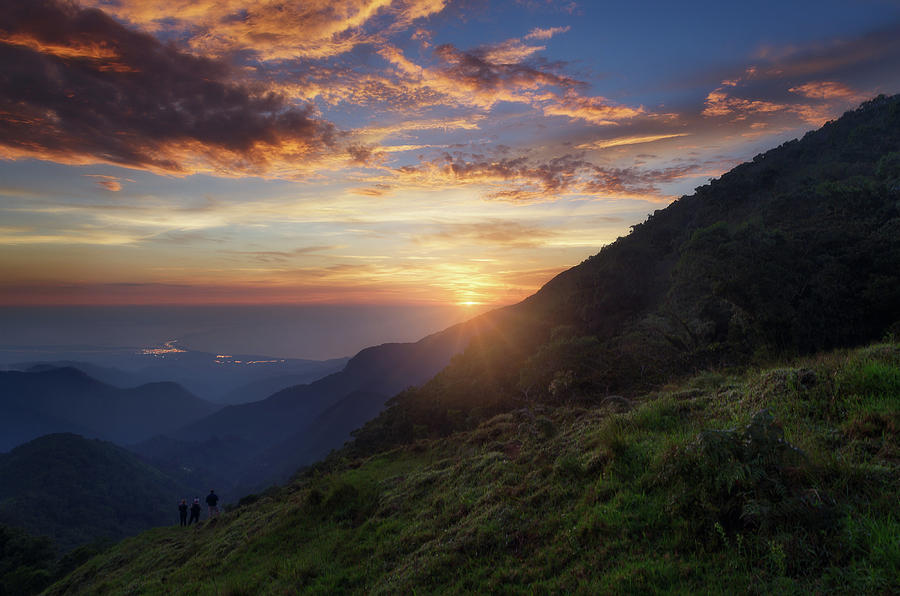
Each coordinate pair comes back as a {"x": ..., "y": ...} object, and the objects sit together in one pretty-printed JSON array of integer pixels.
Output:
[
  {"x": 50, "y": 400},
  {"x": 232, "y": 380}
]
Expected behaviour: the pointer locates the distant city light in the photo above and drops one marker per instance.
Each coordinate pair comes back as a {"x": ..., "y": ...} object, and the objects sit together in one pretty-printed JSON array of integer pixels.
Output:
[{"x": 167, "y": 348}]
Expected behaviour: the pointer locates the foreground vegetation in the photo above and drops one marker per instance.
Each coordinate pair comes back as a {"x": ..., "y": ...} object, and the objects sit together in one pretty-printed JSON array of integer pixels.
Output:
[{"x": 778, "y": 479}]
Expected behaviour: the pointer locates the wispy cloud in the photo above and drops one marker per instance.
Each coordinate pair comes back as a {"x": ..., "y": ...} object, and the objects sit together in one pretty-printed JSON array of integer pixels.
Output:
[
  {"x": 28, "y": 235},
  {"x": 110, "y": 183},
  {"x": 275, "y": 30},
  {"x": 522, "y": 179},
  {"x": 546, "y": 33},
  {"x": 630, "y": 140},
  {"x": 509, "y": 234},
  {"x": 282, "y": 256}
]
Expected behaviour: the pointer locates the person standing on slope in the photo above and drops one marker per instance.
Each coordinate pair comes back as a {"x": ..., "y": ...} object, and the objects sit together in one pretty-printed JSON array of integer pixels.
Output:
[
  {"x": 195, "y": 511},
  {"x": 212, "y": 499},
  {"x": 182, "y": 511}
]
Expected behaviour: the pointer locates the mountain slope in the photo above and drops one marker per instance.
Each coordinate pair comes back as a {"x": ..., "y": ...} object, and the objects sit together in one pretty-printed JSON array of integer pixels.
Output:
[
  {"x": 265, "y": 441},
  {"x": 330, "y": 430},
  {"x": 796, "y": 251},
  {"x": 51, "y": 400},
  {"x": 76, "y": 490},
  {"x": 696, "y": 489}
]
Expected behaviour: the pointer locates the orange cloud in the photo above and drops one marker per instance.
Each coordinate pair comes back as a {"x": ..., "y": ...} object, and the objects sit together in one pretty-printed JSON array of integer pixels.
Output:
[
  {"x": 486, "y": 76},
  {"x": 826, "y": 97},
  {"x": 539, "y": 33},
  {"x": 110, "y": 183},
  {"x": 94, "y": 50},
  {"x": 806, "y": 84},
  {"x": 826, "y": 90},
  {"x": 631, "y": 140},
  {"x": 272, "y": 29},
  {"x": 509, "y": 52},
  {"x": 595, "y": 110},
  {"x": 720, "y": 103}
]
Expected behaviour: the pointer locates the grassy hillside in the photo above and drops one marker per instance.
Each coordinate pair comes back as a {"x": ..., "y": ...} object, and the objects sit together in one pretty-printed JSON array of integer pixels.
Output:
[{"x": 775, "y": 480}]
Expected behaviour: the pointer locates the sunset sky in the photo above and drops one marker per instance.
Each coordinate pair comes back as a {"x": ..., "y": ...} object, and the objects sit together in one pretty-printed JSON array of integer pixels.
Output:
[{"x": 386, "y": 152}]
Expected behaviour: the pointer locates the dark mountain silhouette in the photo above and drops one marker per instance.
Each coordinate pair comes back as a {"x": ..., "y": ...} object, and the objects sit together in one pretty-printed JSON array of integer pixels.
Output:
[
  {"x": 261, "y": 389},
  {"x": 47, "y": 400},
  {"x": 76, "y": 490},
  {"x": 258, "y": 428},
  {"x": 105, "y": 374},
  {"x": 232, "y": 380},
  {"x": 232, "y": 383}
]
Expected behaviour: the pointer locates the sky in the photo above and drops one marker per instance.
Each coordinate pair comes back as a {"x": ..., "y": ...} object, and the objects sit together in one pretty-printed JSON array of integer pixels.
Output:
[{"x": 431, "y": 153}]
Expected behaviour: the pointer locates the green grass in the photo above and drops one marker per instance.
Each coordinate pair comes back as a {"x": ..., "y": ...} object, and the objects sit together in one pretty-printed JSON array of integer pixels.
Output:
[{"x": 689, "y": 492}]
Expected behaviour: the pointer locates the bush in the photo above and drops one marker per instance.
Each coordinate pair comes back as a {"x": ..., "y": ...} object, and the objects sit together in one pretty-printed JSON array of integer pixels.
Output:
[
  {"x": 351, "y": 502},
  {"x": 730, "y": 482}
]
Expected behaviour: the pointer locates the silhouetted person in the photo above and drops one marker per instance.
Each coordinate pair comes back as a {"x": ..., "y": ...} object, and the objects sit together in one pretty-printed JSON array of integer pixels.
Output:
[
  {"x": 195, "y": 511},
  {"x": 212, "y": 499},
  {"x": 182, "y": 511}
]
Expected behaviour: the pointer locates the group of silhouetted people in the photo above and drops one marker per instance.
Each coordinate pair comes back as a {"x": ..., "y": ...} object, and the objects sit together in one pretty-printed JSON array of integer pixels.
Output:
[{"x": 212, "y": 501}]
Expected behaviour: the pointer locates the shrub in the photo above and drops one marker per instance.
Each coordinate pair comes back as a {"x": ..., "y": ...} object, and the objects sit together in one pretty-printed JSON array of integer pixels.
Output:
[
  {"x": 351, "y": 502},
  {"x": 729, "y": 482}
]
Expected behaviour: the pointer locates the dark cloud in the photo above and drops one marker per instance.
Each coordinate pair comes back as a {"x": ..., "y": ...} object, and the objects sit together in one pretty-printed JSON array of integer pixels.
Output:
[
  {"x": 474, "y": 68},
  {"x": 527, "y": 179},
  {"x": 360, "y": 154},
  {"x": 635, "y": 180},
  {"x": 76, "y": 85}
]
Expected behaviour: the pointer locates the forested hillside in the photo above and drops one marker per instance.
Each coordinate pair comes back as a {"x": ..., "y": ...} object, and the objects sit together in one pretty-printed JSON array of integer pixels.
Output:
[
  {"x": 76, "y": 490},
  {"x": 795, "y": 252}
]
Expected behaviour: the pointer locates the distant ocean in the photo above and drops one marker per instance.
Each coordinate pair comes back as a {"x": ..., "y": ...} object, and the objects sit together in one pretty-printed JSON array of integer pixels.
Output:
[{"x": 315, "y": 332}]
